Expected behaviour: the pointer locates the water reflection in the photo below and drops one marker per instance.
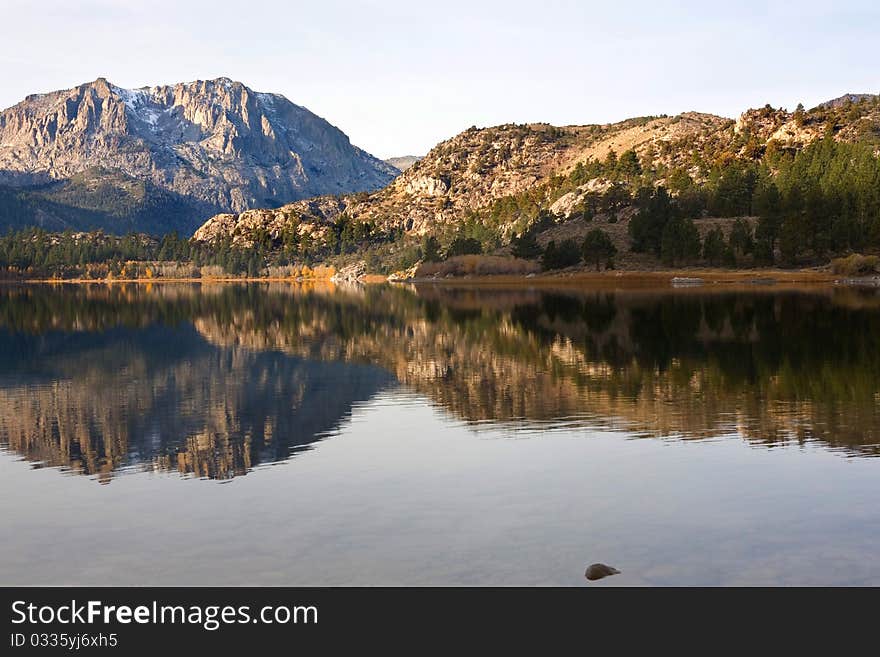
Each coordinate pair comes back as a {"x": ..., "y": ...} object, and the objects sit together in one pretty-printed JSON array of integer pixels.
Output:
[
  {"x": 162, "y": 397},
  {"x": 214, "y": 380}
]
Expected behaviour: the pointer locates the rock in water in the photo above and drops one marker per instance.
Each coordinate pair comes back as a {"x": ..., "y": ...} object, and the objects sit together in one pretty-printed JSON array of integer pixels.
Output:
[
  {"x": 683, "y": 281},
  {"x": 599, "y": 570}
]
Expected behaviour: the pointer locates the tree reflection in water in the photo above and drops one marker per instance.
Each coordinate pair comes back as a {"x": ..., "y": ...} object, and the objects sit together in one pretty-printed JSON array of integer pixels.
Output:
[{"x": 214, "y": 380}]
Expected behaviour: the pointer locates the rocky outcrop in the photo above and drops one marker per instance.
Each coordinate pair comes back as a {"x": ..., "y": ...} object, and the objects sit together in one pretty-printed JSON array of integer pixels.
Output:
[
  {"x": 310, "y": 219},
  {"x": 404, "y": 274},
  {"x": 215, "y": 143},
  {"x": 351, "y": 274},
  {"x": 567, "y": 204},
  {"x": 426, "y": 186}
]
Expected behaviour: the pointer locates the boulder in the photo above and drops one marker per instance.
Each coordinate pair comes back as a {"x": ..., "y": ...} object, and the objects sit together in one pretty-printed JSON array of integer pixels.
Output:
[
  {"x": 404, "y": 275},
  {"x": 350, "y": 273}
]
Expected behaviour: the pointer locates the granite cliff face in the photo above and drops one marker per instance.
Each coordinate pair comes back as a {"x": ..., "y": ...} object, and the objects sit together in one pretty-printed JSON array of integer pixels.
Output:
[{"x": 210, "y": 145}]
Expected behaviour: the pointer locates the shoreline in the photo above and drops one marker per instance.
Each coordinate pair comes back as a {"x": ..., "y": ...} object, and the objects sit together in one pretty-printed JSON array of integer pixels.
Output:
[{"x": 688, "y": 278}]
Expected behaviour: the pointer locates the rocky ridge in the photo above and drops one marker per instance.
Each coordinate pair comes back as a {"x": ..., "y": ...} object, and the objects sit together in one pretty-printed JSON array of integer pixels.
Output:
[{"x": 465, "y": 175}]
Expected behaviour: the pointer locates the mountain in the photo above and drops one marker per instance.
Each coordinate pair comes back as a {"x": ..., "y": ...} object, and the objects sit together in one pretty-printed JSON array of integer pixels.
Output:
[
  {"x": 403, "y": 162},
  {"x": 847, "y": 99},
  {"x": 160, "y": 158},
  {"x": 494, "y": 183}
]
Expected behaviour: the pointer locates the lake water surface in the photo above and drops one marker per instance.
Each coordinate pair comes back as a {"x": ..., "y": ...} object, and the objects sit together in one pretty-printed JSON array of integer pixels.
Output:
[{"x": 283, "y": 434}]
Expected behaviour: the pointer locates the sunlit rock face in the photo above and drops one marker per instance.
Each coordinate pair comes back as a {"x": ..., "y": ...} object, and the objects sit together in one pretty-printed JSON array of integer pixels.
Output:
[{"x": 217, "y": 145}]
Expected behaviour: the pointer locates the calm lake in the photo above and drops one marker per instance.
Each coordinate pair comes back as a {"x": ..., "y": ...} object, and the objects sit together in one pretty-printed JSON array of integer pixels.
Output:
[{"x": 281, "y": 434}]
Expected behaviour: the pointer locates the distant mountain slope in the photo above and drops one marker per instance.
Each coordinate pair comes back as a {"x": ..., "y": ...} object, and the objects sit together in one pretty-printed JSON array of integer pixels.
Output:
[
  {"x": 846, "y": 99},
  {"x": 165, "y": 157},
  {"x": 403, "y": 162}
]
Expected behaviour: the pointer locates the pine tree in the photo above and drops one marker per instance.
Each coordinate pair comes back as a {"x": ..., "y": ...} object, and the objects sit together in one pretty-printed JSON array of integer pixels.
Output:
[
  {"x": 680, "y": 242},
  {"x": 598, "y": 248},
  {"x": 741, "y": 241},
  {"x": 628, "y": 166},
  {"x": 430, "y": 249},
  {"x": 566, "y": 254},
  {"x": 715, "y": 248},
  {"x": 525, "y": 246},
  {"x": 799, "y": 115},
  {"x": 646, "y": 227}
]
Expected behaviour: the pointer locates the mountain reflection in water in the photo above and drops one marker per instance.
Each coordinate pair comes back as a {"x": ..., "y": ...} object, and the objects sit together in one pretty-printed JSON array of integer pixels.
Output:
[{"x": 215, "y": 380}]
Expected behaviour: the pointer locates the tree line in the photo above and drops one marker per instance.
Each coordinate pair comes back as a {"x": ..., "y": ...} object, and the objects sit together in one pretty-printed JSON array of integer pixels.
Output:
[
  {"x": 791, "y": 207},
  {"x": 34, "y": 251}
]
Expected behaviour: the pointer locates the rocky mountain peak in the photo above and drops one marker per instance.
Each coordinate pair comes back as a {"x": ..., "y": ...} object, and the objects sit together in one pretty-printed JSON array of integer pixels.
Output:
[{"x": 217, "y": 144}]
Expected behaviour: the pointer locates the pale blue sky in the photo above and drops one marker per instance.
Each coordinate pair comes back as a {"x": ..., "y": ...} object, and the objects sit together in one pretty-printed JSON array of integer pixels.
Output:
[{"x": 398, "y": 77}]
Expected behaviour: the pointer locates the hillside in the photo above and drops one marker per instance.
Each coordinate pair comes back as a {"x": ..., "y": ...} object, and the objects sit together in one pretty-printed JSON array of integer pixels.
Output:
[
  {"x": 162, "y": 158},
  {"x": 494, "y": 184},
  {"x": 471, "y": 171}
]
